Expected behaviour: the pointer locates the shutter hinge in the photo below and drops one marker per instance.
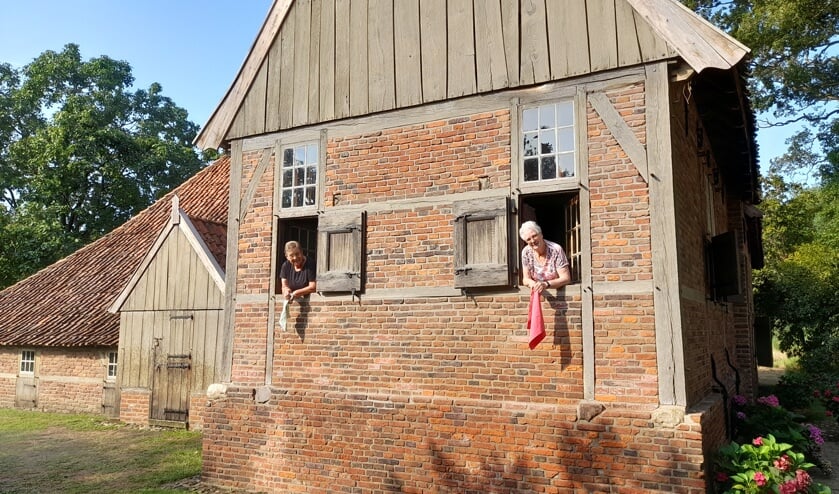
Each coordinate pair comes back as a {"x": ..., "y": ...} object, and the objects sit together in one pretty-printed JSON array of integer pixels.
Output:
[{"x": 462, "y": 270}]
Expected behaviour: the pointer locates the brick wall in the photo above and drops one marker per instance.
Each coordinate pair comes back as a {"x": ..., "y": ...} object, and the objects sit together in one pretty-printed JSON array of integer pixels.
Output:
[
  {"x": 68, "y": 379},
  {"x": 134, "y": 406}
]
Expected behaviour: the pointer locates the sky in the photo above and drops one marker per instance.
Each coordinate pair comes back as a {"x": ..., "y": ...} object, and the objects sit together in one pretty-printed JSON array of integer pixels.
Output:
[{"x": 193, "y": 48}]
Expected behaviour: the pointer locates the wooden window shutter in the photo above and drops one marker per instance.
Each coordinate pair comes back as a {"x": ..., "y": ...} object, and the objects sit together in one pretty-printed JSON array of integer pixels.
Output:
[
  {"x": 481, "y": 245},
  {"x": 340, "y": 251}
]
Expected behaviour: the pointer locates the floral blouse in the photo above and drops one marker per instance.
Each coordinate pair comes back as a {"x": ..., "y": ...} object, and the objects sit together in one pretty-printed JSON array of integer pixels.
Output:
[{"x": 548, "y": 271}]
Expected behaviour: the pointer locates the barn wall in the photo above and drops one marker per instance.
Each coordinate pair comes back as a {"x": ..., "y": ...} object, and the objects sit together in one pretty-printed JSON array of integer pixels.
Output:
[
  {"x": 69, "y": 380},
  {"x": 175, "y": 292}
]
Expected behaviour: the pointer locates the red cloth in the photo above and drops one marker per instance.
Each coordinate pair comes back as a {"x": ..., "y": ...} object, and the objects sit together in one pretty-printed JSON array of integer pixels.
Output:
[{"x": 535, "y": 322}]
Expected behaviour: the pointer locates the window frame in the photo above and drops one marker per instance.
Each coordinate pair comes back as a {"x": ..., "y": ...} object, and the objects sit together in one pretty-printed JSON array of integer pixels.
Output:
[
  {"x": 320, "y": 166},
  {"x": 578, "y": 111},
  {"x": 111, "y": 366},
  {"x": 29, "y": 362}
]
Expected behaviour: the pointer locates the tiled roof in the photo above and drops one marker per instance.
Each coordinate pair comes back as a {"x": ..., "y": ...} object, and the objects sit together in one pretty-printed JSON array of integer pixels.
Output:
[
  {"x": 65, "y": 304},
  {"x": 215, "y": 236}
]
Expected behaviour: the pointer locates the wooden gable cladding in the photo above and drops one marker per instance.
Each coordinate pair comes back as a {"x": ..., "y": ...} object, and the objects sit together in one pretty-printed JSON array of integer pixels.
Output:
[{"x": 333, "y": 59}]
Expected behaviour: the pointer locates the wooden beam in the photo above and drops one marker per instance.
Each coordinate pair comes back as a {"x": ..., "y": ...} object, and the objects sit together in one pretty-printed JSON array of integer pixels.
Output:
[{"x": 621, "y": 132}]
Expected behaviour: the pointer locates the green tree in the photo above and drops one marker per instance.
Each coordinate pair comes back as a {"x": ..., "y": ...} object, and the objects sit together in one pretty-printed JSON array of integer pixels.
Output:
[{"x": 80, "y": 153}]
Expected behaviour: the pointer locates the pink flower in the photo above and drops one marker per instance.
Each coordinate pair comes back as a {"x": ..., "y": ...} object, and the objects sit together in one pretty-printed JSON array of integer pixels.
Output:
[
  {"x": 802, "y": 478},
  {"x": 828, "y": 413},
  {"x": 770, "y": 400},
  {"x": 760, "y": 479},
  {"x": 815, "y": 434},
  {"x": 741, "y": 416},
  {"x": 789, "y": 487},
  {"x": 722, "y": 477},
  {"x": 782, "y": 463},
  {"x": 836, "y": 398},
  {"x": 758, "y": 441},
  {"x": 827, "y": 393},
  {"x": 741, "y": 400}
]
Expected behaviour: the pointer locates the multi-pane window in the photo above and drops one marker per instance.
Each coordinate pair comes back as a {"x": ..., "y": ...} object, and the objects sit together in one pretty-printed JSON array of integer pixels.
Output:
[
  {"x": 548, "y": 141},
  {"x": 573, "y": 236},
  {"x": 112, "y": 365},
  {"x": 27, "y": 362},
  {"x": 299, "y": 176}
]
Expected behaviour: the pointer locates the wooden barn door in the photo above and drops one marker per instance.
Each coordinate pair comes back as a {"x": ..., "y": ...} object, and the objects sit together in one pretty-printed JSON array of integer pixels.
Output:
[{"x": 172, "y": 357}]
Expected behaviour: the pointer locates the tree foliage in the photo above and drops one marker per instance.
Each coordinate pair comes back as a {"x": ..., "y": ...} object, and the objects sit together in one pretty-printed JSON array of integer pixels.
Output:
[{"x": 80, "y": 153}]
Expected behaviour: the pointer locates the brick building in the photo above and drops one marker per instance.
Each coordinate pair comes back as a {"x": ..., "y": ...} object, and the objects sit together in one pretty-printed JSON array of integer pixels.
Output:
[
  {"x": 403, "y": 143},
  {"x": 61, "y": 349}
]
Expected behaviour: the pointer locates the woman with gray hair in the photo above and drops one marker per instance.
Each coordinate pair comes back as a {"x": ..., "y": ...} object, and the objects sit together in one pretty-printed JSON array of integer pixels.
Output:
[
  {"x": 544, "y": 263},
  {"x": 298, "y": 273}
]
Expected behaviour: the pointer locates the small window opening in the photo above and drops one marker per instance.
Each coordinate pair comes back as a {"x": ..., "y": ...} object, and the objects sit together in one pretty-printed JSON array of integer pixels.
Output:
[
  {"x": 27, "y": 362},
  {"x": 112, "y": 365},
  {"x": 558, "y": 214},
  {"x": 305, "y": 232}
]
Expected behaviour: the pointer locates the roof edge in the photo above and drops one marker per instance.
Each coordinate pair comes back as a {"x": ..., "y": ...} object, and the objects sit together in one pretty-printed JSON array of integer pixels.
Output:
[
  {"x": 699, "y": 42},
  {"x": 212, "y": 133}
]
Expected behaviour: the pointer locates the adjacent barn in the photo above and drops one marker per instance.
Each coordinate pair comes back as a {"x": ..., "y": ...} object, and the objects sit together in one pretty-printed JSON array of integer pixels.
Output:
[{"x": 62, "y": 350}]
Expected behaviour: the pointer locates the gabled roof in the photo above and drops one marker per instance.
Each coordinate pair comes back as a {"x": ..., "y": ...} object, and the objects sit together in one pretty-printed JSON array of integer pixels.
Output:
[
  {"x": 209, "y": 249},
  {"x": 342, "y": 60},
  {"x": 65, "y": 304}
]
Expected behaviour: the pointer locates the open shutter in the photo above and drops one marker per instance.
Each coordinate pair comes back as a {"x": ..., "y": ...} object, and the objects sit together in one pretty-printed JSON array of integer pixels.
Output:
[
  {"x": 481, "y": 255},
  {"x": 340, "y": 251}
]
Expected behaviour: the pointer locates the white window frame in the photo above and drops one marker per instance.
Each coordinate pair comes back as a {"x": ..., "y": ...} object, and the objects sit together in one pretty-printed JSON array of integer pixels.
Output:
[
  {"x": 524, "y": 128},
  {"x": 111, "y": 368},
  {"x": 27, "y": 363},
  {"x": 313, "y": 157}
]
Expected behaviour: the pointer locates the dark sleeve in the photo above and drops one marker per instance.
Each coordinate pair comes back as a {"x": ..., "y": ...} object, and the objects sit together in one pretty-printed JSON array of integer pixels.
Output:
[
  {"x": 312, "y": 270},
  {"x": 284, "y": 274}
]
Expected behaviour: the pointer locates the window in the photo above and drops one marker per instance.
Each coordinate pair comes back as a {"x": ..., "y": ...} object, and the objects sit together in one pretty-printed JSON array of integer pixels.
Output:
[
  {"x": 112, "y": 366},
  {"x": 548, "y": 142},
  {"x": 341, "y": 251},
  {"x": 304, "y": 231},
  {"x": 481, "y": 243},
  {"x": 299, "y": 171},
  {"x": 559, "y": 217},
  {"x": 27, "y": 362}
]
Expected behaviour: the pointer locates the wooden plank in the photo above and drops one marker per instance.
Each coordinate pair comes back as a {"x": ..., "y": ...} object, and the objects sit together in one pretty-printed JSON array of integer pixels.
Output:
[
  {"x": 358, "y": 58},
  {"x": 254, "y": 107},
  {"x": 621, "y": 132},
  {"x": 314, "y": 63},
  {"x": 244, "y": 207},
  {"x": 302, "y": 26},
  {"x": 199, "y": 352},
  {"x": 651, "y": 45},
  {"x": 380, "y": 55},
  {"x": 342, "y": 58},
  {"x": 183, "y": 255},
  {"x": 567, "y": 38},
  {"x": 272, "y": 91},
  {"x": 326, "y": 61},
  {"x": 171, "y": 248},
  {"x": 287, "y": 47},
  {"x": 212, "y": 329},
  {"x": 586, "y": 293},
  {"x": 461, "y": 48},
  {"x": 433, "y": 46},
  {"x": 629, "y": 53},
  {"x": 406, "y": 18},
  {"x": 232, "y": 263},
  {"x": 510, "y": 26},
  {"x": 490, "y": 59},
  {"x": 535, "y": 61},
  {"x": 668, "y": 326},
  {"x": 603, "y": 42}
]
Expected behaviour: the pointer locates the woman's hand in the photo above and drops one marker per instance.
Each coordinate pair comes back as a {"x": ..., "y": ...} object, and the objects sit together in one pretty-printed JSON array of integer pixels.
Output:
[{"x": 539, "y": 286}]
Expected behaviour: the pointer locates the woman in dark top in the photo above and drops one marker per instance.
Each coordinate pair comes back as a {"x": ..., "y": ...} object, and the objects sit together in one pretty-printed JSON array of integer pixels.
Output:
[{"x": 297, "y": 273}]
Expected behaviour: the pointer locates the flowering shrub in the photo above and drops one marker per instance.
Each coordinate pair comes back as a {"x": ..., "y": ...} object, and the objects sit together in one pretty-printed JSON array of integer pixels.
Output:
[
  {"x": 766, "y": 416},
  {"x": 830, "y": 399},
  {"x": 764, "y": 466}
]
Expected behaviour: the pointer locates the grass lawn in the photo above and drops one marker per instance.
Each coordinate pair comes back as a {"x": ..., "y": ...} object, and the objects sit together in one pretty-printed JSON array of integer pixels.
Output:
[{"x": 49, "y": 452}]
